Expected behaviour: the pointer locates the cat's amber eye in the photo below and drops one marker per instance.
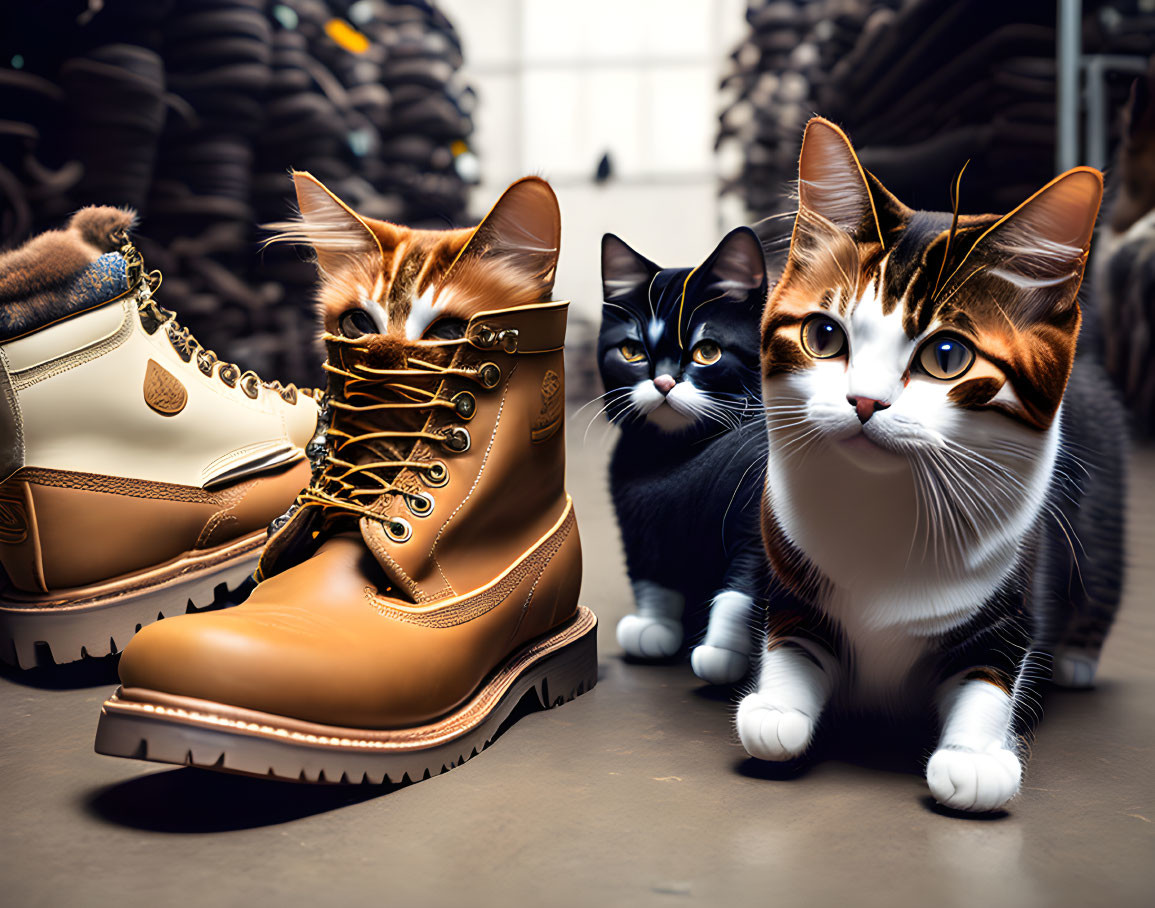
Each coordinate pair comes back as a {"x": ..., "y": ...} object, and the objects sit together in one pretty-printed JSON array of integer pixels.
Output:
[
  {"x": 823, "y": 337},
  {"x": 945, "y": 358},
  {"x": 632, "y": 352},
  {"x": 706, "y": 353}
]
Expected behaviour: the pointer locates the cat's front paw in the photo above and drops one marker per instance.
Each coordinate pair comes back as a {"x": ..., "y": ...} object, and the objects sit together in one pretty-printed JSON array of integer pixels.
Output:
[
  {"x": 716, "y": 665},
  {"x": 645, "y": 637},
  {"x": 972, "y": 780},
  {"x": 773, "y": 733}
]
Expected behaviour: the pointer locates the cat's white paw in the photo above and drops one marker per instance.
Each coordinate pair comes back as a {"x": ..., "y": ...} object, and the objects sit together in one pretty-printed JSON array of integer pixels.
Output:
[
  {"x": 717, "y": 665},
  {"x": 1075, "y": 667},
  {"x": 773, "y": 733},
  {"x": 976, "y": 781},
  {"x": 646, "y": 637}
]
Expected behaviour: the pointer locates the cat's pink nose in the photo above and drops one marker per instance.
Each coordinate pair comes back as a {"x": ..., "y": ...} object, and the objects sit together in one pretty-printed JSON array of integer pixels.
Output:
[
  {"x": 664, "y": 383},
  {"x": 866, "y": 407}
]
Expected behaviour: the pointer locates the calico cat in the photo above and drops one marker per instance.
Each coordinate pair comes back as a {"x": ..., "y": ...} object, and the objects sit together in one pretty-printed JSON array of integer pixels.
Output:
[
  {"x": 678, "y": 353},
  {"x": 944, "y": 494}
]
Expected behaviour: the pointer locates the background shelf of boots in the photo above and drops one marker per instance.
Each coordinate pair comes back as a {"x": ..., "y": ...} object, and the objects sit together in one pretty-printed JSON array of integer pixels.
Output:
[
  {"x": 193, "y": 111},
  {"x": 922, "y": 86}
]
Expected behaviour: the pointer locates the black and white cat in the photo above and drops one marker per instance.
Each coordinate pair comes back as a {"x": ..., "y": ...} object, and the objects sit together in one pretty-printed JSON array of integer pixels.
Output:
[
  {"x": 678, "y": 353},
  {"x": 945, "y": 478}
]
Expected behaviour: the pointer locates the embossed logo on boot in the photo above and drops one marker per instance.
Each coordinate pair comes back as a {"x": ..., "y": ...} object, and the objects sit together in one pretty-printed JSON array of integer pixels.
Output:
[
  {"x": 549, "y": 417},
  {"x": 13, "y": 516},
  {"x": 163, "y": 391}
]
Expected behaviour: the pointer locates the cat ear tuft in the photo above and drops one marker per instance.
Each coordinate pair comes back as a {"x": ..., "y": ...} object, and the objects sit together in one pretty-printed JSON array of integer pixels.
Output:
[
  {"x": 1040, "y": 250},
  {"x": 1061, "y": 214},
  {"x": 831, "y": 181},
  {"x": 736, "y": 269},
  {"x": 1041, "y": 247},
  {"x": 523, "y": 231},
  {"x": 624, "y": 271},
  {"x": 338, "y": 235}
]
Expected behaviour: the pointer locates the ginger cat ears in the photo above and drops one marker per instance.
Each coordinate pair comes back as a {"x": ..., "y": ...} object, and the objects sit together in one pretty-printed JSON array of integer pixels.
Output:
[{"x": 520, "y": 234}]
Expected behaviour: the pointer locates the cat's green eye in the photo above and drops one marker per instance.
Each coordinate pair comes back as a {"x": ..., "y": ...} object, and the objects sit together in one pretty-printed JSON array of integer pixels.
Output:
[
  {"x": 706, "y": 353},
  {"x": 945, "y": 358},
  {"x": 632, "y": 351},
  {"x": 823, "y": 337}
]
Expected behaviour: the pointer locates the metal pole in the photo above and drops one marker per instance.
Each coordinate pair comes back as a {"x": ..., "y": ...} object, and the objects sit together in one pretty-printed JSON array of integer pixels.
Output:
[
  {"x": 1097, "y": 125},
  {"x": 1068, "y": 41}
]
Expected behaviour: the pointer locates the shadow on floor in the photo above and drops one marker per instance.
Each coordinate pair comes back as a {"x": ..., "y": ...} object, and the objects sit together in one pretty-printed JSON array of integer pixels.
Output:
[
  {"x": 69, "y": 676},
  {"x": 188, "y": 800},
  {"x": 193, "y": 800}
]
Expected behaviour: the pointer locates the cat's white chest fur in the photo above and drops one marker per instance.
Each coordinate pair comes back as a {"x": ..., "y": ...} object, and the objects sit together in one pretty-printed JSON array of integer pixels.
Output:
[{"x": 898, "y": 573}]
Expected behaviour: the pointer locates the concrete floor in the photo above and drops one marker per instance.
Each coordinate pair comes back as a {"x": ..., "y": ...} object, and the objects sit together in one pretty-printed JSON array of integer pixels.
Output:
[{"x": 635, "y": 794}]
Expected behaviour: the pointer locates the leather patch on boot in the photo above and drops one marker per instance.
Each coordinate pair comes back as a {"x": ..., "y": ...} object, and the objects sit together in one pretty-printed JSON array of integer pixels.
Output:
[
  {"x": 549, "y": 417},
  {"x": 163, "y": 391},
  {"x": 13, "y": 515}
]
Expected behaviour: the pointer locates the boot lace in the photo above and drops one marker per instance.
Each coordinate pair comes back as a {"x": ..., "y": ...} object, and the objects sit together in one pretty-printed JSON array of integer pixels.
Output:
[
  {"x": 154, "y": 316},
  {"x": 363, "y": 455}
]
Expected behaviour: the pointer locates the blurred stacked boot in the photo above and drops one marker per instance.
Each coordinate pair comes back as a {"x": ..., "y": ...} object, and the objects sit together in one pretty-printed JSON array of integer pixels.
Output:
[
  {"x": 425, "y": 156},
  {"x": 199, "y": 215},
  {"x": 193, "y": 112},
  {"x": 921, "y": 86},
  {"x": 1123, "y": 259}
]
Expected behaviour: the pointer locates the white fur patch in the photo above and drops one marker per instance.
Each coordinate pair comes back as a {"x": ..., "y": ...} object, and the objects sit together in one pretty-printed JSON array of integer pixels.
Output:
[
  {"x": 422, "y": 314},
  {"x": 376, "y": 312},
  {"x": 654, "y": 631},
  {"x": 777, "y": 722},
  {"x": 975, "y": 767},
  {"x": 723, "y": 657}
]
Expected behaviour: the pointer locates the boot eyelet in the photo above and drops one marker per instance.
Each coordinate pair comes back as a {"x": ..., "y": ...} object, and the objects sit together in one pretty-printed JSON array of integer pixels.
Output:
[
  {"x": 398, "y": 529},
  {"x": 436, "y": 475},
  {"x": 465, "y": 404},
  {"x": 508, "y": 340},
  {"x": 420, "y": 503},
  {"x": 486, "y": 337},
  {"x": 489, "y": 375},
  {"x": 456, "y": 440},
  {"x": 251, "y": 385},
  {"x": 229, "y": 374}
]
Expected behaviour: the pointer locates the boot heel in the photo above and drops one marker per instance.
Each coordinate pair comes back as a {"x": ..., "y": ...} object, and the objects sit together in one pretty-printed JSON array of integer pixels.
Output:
[{"x": 571, "y": 670}]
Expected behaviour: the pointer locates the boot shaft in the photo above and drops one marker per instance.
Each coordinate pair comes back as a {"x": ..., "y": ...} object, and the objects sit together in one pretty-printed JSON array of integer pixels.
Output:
[{"x": 124, "y": 443}]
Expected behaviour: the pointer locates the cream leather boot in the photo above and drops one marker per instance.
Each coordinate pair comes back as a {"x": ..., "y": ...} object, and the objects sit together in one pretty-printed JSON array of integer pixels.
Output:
[{"x": 138, "y": 472}]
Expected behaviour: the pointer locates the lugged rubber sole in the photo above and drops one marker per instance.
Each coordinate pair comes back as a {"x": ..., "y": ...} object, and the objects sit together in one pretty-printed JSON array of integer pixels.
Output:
[
  {"x": 97, "y": 620},
  {"x": 148, "y": 725}
]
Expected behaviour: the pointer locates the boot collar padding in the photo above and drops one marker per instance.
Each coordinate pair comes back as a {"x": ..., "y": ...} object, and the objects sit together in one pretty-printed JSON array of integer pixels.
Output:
[{"x": 539, "y": 328}]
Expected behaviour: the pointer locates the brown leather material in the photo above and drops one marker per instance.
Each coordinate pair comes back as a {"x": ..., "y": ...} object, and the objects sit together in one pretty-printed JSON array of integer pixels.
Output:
[
  {"x": 20, "y": 546},
  {"x": 504, "y": 492},
  {"x": 11, "y": 426},
  {"x": 163, "y": 390},
  {"x": 540, "y": 329},
  {"x": 317, "y": 643},
  {"x": 495, "y": 564},
  {"x": 92, "y": 528}
]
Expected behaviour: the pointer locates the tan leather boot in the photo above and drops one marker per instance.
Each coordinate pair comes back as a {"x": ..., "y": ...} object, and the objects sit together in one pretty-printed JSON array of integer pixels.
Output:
[
  {"x": 138, "y": 473},
  {"x": 428, "y": 578}
]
